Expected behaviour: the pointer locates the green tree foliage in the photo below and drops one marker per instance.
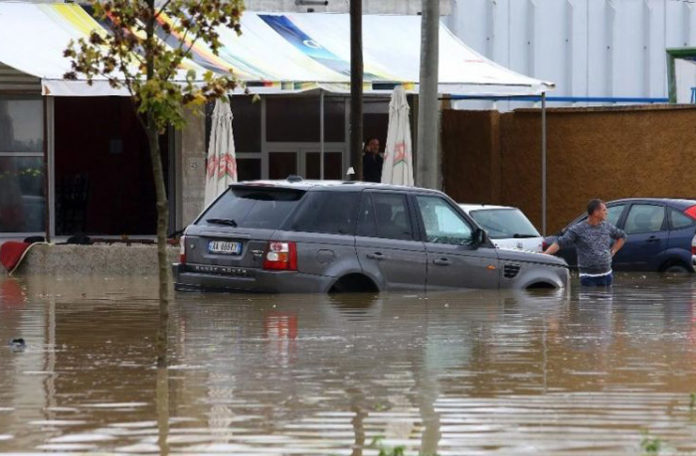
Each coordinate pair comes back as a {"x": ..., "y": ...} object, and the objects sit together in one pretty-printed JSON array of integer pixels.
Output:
[{"x": 146, "y": 48}]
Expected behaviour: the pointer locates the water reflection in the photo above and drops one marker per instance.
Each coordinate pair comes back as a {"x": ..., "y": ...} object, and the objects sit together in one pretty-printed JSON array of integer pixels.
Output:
[{"x": 450, "y": 373}]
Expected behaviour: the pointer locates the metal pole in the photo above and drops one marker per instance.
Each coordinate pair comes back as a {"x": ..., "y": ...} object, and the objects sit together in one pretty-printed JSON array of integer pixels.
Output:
[
  {"x": 321, "y": 135},
  {"x": 428, "y": 170},
  {"x": 543, "y": 163},
  {"x": 356, "y": 88}
]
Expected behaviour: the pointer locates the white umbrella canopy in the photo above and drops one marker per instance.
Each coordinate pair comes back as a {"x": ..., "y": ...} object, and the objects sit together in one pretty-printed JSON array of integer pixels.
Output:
[
  {"x": 398, "y": 154},
  {"x": 222, "y": 161}
]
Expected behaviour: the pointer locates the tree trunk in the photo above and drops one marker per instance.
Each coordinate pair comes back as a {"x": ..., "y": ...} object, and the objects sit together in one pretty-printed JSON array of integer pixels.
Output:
[
  {"x": 162, "y": 228},
  {"x": 356, "y": 88}
]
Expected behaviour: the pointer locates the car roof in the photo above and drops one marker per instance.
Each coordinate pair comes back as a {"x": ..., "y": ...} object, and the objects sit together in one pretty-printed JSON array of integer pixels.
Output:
[
  {"x": 681, "y": 203},
  {"x": 472, "y": 207},
  {"x": 337, "y": 185}
]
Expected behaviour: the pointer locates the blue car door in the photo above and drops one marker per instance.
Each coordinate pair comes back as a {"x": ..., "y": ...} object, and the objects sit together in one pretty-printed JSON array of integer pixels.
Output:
[
  {"x": 681, "y": 234},
  {"x": 647, "y": 232}
]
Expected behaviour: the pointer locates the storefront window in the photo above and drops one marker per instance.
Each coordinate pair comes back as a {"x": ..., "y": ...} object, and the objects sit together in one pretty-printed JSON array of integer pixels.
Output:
[
  {"x": 21, "y": 125},
  {"x": 22, "y": 203}
]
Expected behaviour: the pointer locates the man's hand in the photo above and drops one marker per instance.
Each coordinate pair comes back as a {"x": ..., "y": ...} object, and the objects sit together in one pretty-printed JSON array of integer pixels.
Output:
[
  {"x": 617, "y": 246},
  {"x": 553, "y": 248}
]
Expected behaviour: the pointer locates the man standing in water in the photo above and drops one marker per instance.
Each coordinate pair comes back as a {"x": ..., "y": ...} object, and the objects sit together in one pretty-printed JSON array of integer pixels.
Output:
[{"x": 592, "y": 239}]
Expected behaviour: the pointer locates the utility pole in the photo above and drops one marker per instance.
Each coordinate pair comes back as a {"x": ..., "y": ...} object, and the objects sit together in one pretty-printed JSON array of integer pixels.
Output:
[
  {"x": 356, "y": 88},
  {"x": 428, "y": 162}
]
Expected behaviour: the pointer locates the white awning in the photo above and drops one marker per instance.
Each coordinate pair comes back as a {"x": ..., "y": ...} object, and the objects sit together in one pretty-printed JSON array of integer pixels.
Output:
[{"x": 276, "y": 53}]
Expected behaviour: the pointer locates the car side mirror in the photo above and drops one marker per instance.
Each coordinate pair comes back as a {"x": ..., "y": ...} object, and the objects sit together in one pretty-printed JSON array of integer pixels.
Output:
[{"x": 478, "y": 238}]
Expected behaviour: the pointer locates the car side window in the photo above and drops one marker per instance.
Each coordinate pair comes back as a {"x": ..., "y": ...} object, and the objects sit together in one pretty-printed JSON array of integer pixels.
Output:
[
  {"x": 385, "y": 215},
  {"x": 443, "y": 225},
  {"x": 679, "y": 220},
  {"x": 328, "y": 212},
  {"x": 614, "y": 213},
  {"x": 644, "y": 218}
]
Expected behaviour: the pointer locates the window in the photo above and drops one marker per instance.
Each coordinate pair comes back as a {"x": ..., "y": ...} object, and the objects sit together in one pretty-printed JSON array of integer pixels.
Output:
[
  {"x": 250, "y": 207},
  {"x": 679, "y": 220},
  {"x": 22, "y": 204},
  {"x": 614, "y": 213},
  {"x": 504, "y": 223},
  {"x": 385, "y": 215},
  {"x": 443, "y": 225},
  {"x": 644, "y": 218},
  {"x": 328, "y": 212},
  {"x": 284, "y": 124}
]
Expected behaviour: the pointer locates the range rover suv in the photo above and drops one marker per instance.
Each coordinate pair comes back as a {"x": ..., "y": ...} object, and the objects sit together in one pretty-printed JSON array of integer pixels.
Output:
[{"x": 332, "y": 236}]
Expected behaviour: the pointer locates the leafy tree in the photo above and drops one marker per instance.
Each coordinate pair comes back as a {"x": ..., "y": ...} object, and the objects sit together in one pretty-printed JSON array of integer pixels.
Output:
[{"x": 135, "y": 51}]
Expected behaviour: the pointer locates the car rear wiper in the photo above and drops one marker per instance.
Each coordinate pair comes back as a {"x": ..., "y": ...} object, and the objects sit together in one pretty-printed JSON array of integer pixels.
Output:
[
  {"x": 522, "y": 236},
  {"x": 222, "y": 221}
]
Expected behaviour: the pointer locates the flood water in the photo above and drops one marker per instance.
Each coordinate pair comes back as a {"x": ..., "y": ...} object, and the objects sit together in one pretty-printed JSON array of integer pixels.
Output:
[{"x": 466, "y": 373}]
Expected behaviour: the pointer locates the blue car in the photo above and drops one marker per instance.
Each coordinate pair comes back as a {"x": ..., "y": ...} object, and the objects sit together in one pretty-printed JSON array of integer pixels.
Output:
[{"x": 660, "y": 235}]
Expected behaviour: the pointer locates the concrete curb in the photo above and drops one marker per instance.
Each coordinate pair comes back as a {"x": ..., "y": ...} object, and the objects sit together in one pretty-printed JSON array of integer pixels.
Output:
[{"x": 116, "y": 259}]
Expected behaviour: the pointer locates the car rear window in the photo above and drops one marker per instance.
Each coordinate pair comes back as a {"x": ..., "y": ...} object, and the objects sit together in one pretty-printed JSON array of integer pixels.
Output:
[
  {"x": 252, "y": 207},
  {"x": 504, "y": 223}
]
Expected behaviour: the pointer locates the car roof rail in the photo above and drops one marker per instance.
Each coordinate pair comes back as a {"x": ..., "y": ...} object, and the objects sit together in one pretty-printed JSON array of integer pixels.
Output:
[{"x": 294, "y": 178}]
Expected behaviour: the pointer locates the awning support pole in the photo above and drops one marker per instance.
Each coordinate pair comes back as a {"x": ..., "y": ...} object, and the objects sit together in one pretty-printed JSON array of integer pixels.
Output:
[
  {"x": 543, "y": 163},
  {"x": 321, "y": 134}
]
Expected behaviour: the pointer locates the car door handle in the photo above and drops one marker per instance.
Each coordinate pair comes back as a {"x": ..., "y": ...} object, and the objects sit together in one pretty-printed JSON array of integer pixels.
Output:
[
  {"x": 652, "y": 239},
  {"x": 442, "y": 261},
  {"x": 376, "y": 256}
]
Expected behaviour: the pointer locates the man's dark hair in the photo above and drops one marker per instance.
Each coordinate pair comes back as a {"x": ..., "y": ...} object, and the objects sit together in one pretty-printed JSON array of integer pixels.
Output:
[{"x": 593, "y": 205}]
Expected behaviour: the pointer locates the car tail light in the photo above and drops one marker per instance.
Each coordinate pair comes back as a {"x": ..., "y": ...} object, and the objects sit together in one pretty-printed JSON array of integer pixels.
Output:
[
  {"x": 281, "y": 256},
  {"x": 691, "y": 212},
  {"x": 182, "y": 250}
]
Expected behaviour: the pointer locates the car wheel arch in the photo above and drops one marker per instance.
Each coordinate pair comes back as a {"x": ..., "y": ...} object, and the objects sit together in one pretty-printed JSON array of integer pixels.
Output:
[{"x": 354, "y": 282}]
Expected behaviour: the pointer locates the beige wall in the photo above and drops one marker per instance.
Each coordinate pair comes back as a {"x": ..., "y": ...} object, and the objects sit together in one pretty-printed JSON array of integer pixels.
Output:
[{"x": 191, "y": 153}]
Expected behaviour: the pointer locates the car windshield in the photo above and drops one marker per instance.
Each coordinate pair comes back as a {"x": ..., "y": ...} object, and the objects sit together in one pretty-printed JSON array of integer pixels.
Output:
[
  {"x": 504, "y": 223},
  {"x": 252, "y": 207}
]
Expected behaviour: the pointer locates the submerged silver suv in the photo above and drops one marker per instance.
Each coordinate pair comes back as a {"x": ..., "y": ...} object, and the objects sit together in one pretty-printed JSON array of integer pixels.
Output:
[{"x": 332, "y": 236}]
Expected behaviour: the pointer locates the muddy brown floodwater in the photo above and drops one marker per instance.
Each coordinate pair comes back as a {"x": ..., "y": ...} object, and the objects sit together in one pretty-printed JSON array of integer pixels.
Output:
[{"x": 465, "y": 373}]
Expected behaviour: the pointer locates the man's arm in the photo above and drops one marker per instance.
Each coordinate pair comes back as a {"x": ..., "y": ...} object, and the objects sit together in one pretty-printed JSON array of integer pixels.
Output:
[
  {"x": 619, "y": 237},
  {"x": 553, "y": 248},
  {"x": 617, "y": 245},
  {"x": 565, "y": 239}
]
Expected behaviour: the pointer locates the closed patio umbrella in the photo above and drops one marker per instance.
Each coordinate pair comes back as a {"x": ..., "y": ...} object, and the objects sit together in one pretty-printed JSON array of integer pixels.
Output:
[
  {"x": 398, "y": 154},
  {"x": 222, "y": 162}
]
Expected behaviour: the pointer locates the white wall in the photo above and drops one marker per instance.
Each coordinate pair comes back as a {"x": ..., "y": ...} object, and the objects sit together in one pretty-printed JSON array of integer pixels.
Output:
[{"x": 589, "y": 48}]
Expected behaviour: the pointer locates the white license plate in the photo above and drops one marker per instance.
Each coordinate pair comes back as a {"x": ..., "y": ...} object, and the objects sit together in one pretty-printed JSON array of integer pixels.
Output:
[{"x": 225, "y": 247}]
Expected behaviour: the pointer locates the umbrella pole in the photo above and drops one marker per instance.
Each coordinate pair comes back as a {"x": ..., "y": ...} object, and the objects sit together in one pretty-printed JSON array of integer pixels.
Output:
[
  {"x": 543, "y": 163},
  {"x": 321, "y": 134}
]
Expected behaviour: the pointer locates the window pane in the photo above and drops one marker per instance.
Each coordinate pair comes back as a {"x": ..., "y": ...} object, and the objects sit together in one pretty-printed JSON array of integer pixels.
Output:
[
  {"x": 391, "y": 216},
  {"x": 442, "y": 224},
  {"x": 246, "y": 123},
  {"x": 366, "y": 217},
  {"x": 281, "y": 164},
  {"x": 643, "y": 218},
  {"x": 22, "y": 206},
  {"x": 504, "y": 223},
  {"x": 248, "y": 169},
  {"x": 334, "y": 119},
  {"x": 252, "y": 207},
  {"x": 614, "y": 213},
  {"x": 324, "y": 212},
  {"x": 21, "y": 124},
  {"x": 679, "y": 220},
  {"x": 333, "y": 165},
  {"x": 292, "y": 119}
]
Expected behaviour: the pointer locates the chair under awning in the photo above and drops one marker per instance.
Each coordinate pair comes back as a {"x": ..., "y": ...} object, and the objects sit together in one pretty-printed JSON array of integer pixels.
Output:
[{"x": 276, "y": 53}]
